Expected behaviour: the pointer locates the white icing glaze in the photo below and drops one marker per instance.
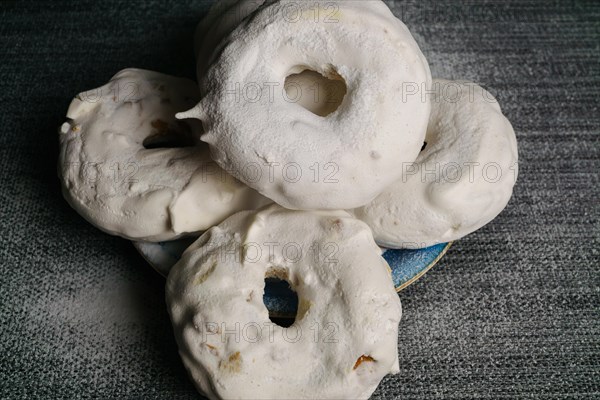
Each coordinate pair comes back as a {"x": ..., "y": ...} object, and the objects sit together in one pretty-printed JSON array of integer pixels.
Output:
[
  {"x": 125, "y": 189},
  {"x": 453, "y": 188},
  {"x": 299, "y": 159},
  {"x": 211, "y": 36},
  {"x": 219, "y": 283}
]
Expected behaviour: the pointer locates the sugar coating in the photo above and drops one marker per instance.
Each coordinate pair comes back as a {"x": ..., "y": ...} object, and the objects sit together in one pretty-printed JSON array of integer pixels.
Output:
[
  {"x": 299, "y": 159},
  {"x": 346, "y": 296},
  {"x": 462, "y": 179},
  {"x": 125, "y": 189}
]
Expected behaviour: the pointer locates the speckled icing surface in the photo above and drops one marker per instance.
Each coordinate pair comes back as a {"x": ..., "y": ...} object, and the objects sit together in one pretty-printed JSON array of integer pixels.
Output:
[
  {"x": 299, "y": 159},
  {"x": 115, "y": 174},
  {"x": 219, "y": 283},
  {"x": 461, "y": 180}
]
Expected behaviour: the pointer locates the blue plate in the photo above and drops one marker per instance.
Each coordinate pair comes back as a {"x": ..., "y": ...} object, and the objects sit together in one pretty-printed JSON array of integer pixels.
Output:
[{"x": 407, "y": 266}]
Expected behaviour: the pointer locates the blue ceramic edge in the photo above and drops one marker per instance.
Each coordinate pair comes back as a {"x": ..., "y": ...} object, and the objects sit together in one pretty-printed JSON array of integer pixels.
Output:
[{"x": 409, "y": 265}]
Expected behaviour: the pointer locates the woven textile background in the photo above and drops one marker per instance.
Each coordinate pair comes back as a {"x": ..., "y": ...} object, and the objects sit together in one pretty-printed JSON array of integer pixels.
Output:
[{"x": 512, "y": 311}]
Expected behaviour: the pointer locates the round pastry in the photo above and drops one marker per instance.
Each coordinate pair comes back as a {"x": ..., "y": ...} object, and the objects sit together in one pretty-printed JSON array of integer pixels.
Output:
[
  {"x": 267, "y": 139},
  {"x": 462, "y": 179},
  {"x": 211, "y": 36},
  {"x": 118, "y": 174},
  {"x": 344, "y": 337}
]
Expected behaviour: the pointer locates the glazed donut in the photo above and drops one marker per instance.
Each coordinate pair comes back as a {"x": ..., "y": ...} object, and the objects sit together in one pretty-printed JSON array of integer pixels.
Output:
[
  {"x": 216, "y": 290},
  {"x": 297, "y": 158},
  {"x": 115, "y": 174},
  {"x": 223, "y": 17},
  {"x": 461, "y": 180}
]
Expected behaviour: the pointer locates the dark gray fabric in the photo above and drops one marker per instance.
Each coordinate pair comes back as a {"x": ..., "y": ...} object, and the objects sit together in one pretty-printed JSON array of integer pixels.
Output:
[{"x": 511, "y": 311}]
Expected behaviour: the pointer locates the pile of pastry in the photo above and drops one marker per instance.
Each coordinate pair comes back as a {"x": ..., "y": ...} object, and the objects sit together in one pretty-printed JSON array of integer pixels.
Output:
[{"x": 315, "y": 135}]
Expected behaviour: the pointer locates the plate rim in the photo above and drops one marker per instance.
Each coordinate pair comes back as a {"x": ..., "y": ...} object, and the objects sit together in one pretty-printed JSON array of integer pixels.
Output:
[{"x": 423, "y": 271}]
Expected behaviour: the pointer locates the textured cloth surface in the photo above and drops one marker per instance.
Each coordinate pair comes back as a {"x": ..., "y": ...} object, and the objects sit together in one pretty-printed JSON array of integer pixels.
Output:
[{"x": 511, "y": 311}]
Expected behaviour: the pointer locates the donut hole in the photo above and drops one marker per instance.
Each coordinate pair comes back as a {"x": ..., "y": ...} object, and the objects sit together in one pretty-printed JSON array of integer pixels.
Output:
[
  {"x": 169, "y": 135},
  {"x": 319, "y": 94},
  {"x": 279, "y": 291}
]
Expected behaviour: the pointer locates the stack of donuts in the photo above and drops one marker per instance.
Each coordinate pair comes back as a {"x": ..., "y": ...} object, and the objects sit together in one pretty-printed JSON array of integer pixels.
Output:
[{"x": 315, "y": 135}]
